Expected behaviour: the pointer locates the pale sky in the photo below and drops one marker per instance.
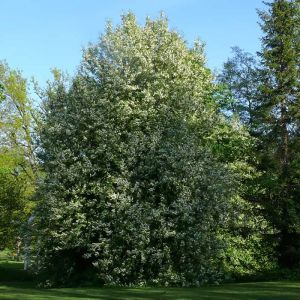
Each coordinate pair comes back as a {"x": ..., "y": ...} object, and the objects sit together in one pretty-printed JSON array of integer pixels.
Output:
[{"x": 37, "y": 35}]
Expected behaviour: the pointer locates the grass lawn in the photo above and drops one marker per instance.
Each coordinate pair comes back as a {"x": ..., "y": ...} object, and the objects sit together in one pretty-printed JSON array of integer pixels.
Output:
[{"x": 17, "y": 285}]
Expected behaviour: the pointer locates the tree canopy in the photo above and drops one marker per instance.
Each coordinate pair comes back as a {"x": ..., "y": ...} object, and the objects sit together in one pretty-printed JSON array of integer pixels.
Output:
[
  {"x": 18, "y": 165},
  {"x": 137, "y": 185}
]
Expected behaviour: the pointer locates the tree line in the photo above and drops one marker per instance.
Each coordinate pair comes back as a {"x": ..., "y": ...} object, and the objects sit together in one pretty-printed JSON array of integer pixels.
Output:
[{"x": 145, "y": 167}]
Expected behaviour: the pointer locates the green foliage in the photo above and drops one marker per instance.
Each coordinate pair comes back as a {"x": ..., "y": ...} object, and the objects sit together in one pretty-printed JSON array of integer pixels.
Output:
[
  {"x": 1, "y": 91},
  {"x": 12, "y": 204},
  {"x": 241, "y": 78},
  {"x": 248, "y": 253},
  {"x": 267, "y": 101},
  {"x": 17, "y": 159}
]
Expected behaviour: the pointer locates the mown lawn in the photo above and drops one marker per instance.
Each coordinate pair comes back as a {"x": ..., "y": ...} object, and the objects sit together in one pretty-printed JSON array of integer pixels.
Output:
[{"x": 15, "y": 284}]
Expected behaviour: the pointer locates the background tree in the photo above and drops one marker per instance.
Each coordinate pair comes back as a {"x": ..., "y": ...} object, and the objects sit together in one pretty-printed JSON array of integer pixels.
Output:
[
  {"x": 271, "y": 87},
  {"x": 18, "y": 166},
  {"x": 247, "y": 253},
  {"x": 279, "y": 123},
  {"x": 241, "y": 76}
]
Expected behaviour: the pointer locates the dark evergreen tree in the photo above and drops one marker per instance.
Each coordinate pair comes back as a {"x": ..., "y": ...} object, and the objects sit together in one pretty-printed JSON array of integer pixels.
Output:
[{"x": 278, "y": 124}]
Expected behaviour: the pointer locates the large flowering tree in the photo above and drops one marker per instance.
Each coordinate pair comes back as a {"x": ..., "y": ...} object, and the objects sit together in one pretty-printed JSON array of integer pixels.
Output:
[{"x": 137, "y": 181}]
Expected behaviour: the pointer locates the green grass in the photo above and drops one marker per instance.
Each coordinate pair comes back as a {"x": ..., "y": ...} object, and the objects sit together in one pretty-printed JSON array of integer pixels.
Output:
[
  {"x": 263, "y": 290},
  {"x": 16, "y": 284}
]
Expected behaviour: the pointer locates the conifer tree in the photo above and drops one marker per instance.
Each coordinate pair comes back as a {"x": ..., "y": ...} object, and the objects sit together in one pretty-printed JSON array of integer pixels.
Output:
[{"x": 278, "y": 123}]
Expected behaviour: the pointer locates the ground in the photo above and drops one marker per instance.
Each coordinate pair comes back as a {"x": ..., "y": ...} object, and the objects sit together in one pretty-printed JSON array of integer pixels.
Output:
[
  {"x": 265, "y": 290},
  {"x": 15, "y": 284}
]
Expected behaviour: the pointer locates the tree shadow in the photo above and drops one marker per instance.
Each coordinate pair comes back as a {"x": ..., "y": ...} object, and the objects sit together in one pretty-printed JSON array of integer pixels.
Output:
[{"x": 243, "y": 291}]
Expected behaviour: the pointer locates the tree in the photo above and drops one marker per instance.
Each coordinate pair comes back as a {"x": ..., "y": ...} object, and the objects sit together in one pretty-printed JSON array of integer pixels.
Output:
[
  {"x": 270, "y": 89},
  {"x": 237, "y": 89},
  {"x": 242, "y": 77},
  {"x": 278, "y": 129},
  {"x": 137, "y": 185},
  {"x": 18, "y": 166}
]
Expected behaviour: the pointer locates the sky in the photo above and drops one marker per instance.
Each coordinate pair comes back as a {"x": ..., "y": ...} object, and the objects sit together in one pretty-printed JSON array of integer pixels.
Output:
[{"x": 39, "y": 35}]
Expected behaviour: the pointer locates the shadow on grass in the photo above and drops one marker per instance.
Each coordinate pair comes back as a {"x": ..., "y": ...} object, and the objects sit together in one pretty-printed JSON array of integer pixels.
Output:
[
  {"x": 13, "y": 271},
  {"x": 16, "y": 284},
  {"x": 251, "y": 291}
]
